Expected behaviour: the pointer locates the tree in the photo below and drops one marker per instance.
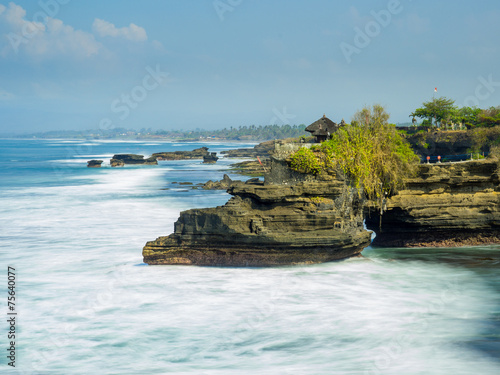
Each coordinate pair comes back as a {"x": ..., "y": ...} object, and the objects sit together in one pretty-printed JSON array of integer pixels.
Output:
[
  {"x": 369, "y": 116},
  {"x": 438, "y": 109},
  {"x": 372, "y": 155},
  {"x": 468, "y": 116},
  {"x": 489, "y": 117}
]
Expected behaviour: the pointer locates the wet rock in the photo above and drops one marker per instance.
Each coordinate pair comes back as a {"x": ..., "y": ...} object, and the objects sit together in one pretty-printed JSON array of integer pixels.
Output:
[
  {"x": 94, "y": 163},
  {"x": 116, "y": 163},
  {"x": 198, "y": 153},
  {"x": 120, "y": 160}
]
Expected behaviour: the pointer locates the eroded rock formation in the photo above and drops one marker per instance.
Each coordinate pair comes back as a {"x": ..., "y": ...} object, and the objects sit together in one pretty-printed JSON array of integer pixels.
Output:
[
  {"x": 267, "y": 225},
  {"x": 449, "y": 204},
  {"x": 295, "y": 218}
]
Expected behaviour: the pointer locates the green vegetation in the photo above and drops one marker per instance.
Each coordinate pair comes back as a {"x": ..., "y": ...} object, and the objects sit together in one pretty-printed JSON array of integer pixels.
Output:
[
  {"x": 447, "y": 116},
  {"x": 484, "y": 139},
  {"x": 305, "y": 160},
  {"x": 373, "y": 156}
]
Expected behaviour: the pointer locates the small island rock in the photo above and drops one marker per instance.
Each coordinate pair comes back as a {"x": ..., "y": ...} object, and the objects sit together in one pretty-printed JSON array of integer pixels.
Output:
[{"x": 94, "y": 163}]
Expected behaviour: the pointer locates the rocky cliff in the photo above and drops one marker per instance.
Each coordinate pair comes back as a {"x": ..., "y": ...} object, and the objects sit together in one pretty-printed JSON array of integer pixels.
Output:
[
  {"x": 295, "y": 218},
  {"x": 448, "y": 204},
  {"x": 267, "y": 225}
]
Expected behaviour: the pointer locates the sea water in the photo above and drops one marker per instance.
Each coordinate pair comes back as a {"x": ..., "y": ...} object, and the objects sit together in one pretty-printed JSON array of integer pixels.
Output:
[{"x": 87, "y": 304}]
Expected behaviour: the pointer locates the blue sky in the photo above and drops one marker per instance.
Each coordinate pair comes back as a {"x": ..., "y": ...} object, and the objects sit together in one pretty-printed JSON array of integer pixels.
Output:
[{"x": 183, "y": 64}]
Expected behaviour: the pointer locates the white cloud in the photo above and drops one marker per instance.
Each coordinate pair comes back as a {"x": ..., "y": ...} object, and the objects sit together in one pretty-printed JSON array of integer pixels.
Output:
[
  {"x": 46, "y": 39},
  {"x": 132, "y": 32}
]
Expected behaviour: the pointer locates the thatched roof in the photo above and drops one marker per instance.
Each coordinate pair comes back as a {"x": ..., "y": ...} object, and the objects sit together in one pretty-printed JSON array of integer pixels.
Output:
[{"x": 324, "y": 126}]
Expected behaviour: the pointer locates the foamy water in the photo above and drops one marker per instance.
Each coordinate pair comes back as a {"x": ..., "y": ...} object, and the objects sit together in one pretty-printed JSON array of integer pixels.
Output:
[{"x": 88, "y": 305}]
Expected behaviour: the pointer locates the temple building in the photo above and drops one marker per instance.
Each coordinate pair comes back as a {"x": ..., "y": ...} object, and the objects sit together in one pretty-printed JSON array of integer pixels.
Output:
[{"x": 323, "y": 128}]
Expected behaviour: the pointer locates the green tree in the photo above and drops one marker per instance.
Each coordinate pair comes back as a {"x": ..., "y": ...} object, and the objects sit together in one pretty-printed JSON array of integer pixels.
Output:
[
  {"x": 369, "y": 152},
  {"x": 437, "y": 109},
  {"x": 468, "y": 116},
  {"x": 489, "y": 117}
]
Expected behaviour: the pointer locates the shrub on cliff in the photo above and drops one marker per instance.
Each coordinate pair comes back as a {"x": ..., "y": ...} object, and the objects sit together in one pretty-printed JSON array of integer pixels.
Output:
[
  {"x": 484, "y": 138},
  {"x": 369, "y": 152},
  {"x": 306, "y": 161}
]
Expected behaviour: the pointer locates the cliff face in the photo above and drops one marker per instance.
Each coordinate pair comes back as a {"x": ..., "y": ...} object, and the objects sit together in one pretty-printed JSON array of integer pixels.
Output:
[
  {"x": 441, "y": 143},
  {"x": 267, "y": 225},
  {"x": 447, "y": 205}
]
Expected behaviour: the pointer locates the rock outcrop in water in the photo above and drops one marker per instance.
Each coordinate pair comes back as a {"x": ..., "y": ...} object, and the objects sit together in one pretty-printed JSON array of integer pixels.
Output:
[
  {"x": 267, "y": 225},
  {"x": 262, "y": 149},
  {"x": 123, "y": 159},
  {"x": 211, "y": 158},
  {"x": 223, "y": 184},
  {"x": 94, "y": 163},
  {"x": 449, "y": 204},
  {"x": 197, "y": 153},
  {"x": 295, "y": 218}
]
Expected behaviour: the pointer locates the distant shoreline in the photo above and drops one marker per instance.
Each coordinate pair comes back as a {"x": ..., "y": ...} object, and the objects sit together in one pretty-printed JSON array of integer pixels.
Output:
[{"x": 138, "y": 140}]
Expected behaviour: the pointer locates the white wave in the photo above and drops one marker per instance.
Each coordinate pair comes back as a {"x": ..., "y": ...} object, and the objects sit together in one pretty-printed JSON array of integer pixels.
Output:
[
  {"x": 75, "y": 161},
  {"x": 95, "y": 156}
]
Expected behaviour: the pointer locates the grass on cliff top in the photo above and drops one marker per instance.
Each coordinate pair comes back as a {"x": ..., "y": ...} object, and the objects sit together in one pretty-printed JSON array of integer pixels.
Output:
[{"x": 372, "y": 155}]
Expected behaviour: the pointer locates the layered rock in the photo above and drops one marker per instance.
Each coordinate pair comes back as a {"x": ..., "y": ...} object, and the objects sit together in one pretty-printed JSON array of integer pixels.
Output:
[
  {"x": 198, "y": 153},
  {"x": 448, "y": 204},
  {"x": 121, "y": 159},
  {"x": 94, "y": 163},
  {"x": 267, "y": 225}
]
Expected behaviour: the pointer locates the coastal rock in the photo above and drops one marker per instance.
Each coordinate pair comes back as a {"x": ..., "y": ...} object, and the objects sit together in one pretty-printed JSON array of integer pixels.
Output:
[
  {"x": 121, "y": 159},
  {"x": 262, "y": 149},
  {"x": 94, "y": 163},
  {"x": 251, "y": 167},
  {"x": 116, "y": 163},
  {"x": 267, "y": 225},
  {"x": 198, "y": 153},
  {"x": 218, "y": 185},
  {"x": 210, "y": 158},
  {"x": 448, "y": 204}
]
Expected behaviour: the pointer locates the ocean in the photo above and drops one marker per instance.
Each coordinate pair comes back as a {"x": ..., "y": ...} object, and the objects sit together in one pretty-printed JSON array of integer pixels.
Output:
[{"x": 87, "y": 304}]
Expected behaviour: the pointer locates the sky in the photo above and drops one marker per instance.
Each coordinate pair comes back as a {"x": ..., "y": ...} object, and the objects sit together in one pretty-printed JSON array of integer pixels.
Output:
[{"x": 187, "y": 64}]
